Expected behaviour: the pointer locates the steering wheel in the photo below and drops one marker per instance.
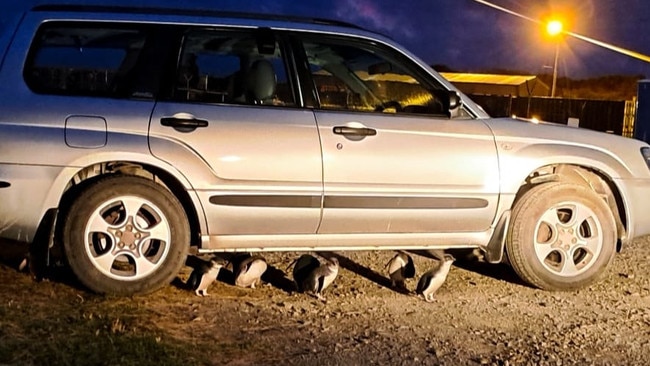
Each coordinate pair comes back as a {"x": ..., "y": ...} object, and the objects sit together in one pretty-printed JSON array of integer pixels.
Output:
[{"x": 390, "y": 104}]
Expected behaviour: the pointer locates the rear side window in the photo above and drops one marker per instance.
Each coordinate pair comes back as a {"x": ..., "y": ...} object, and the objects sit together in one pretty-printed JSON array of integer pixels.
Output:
[
  {"x": 233, "y": 67},
  {"x": 83, "y": 59}
]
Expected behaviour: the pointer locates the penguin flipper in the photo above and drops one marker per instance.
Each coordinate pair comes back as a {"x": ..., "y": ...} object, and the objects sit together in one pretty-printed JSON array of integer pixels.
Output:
[
  {"x": 423, "y": 283},
  {"x": 389, "y": 262},
  {"x": 248, "y": 266},
  {"x": 193, "y": 281},
  {"x": 409, "y": 269},
  {"x": 321, "y": 283}
]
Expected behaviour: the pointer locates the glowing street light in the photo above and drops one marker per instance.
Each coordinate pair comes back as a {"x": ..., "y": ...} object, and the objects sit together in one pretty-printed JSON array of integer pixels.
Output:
[{"x": 554, "y": 28}]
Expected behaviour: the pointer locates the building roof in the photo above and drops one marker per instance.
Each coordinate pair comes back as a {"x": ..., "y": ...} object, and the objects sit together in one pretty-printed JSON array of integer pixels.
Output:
[{"x": 487, "y": 78}]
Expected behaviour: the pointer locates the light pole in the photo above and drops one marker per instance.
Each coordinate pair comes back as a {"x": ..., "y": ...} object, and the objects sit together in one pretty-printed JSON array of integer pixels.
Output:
[
  {"x": 554, "y": 28},
  {"x": 557, "y": 53}
]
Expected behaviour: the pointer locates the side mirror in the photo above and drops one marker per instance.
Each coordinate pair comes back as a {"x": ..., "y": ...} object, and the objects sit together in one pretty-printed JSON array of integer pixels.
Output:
[
  {"x": 451, "y": 102},
  {"x": 454, "y": 101}
]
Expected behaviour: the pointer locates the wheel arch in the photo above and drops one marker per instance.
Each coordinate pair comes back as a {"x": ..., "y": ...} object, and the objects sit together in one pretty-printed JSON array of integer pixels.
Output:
[
  {"x": 598, "y": 169},
  {"x": 175, "y": 183}
]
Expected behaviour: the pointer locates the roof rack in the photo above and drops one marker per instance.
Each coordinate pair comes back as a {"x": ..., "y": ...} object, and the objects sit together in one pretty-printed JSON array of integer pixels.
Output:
[{"x": 190, "y": 12}]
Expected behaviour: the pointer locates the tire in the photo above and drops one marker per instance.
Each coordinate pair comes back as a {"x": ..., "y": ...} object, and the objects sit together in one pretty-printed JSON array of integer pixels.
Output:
[
  {"x": 562, "y": 237},
  {"x": 125, "y": 235}
]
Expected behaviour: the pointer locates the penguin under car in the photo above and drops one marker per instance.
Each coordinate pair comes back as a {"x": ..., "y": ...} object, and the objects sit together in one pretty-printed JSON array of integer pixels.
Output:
[{"x": 131, "y": 138}]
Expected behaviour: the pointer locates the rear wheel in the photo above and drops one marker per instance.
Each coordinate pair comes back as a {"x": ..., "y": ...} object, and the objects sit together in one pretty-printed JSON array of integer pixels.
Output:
[
  {"x": 562, "y": 236},
  {"x": 125, "y": 235}
]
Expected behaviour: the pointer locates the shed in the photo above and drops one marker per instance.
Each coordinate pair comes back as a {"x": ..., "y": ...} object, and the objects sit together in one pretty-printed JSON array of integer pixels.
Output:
[{"x": 494, "y": 84}]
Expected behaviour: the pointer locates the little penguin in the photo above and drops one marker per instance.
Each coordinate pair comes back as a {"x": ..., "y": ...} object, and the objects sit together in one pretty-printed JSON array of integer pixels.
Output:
[
  {"x": 400, "y": 267},
  {"x": 303, "y": 267},
  {"x": 250, "y": 271},
  {"x": 321, "y": 277},
  {"x": 204, "y": 275},
  {"x": 432, "y": 280}
]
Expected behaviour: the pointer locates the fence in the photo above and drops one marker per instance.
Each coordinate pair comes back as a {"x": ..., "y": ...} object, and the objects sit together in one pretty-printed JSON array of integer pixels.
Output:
[{"x": 600, "y": 115}]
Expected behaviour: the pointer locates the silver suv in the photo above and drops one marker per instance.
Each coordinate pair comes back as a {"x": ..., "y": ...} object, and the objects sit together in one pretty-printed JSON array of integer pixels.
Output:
[{"x": 130, "y": 137}]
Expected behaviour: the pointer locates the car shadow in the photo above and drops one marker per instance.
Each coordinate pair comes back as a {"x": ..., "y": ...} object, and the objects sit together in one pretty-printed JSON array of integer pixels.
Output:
[
  {"x": 278, "y": 279},
  {"x": 500, "y": 271},
  {"x": 41, "y": 265},
  {"x": 463, "y": 260},
  {"x": 363, "y": 271}
]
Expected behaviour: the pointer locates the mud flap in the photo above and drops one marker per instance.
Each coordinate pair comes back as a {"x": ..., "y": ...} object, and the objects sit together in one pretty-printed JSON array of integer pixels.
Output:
[
  {"x": 38, "y": 258},
  {"x": 494, "y": 249}
]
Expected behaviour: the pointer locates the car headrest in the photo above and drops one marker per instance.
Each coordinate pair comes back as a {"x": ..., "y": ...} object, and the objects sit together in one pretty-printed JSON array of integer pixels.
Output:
[{"x": 260, "y": 81}]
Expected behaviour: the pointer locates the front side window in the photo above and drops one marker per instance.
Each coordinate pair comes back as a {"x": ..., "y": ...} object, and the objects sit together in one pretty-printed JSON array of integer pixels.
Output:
[
  {"x": 363, "y": 78},
  {"x": 82, "y": 59},
  {"x": 232, "y": 67}
]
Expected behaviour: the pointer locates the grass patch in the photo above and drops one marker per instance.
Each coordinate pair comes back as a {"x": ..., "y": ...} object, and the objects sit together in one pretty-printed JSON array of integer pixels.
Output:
[
  {"x": 98, "y": 334},
  {"x": 102, "y": 350},
  {"x": 45, "y": 325}
]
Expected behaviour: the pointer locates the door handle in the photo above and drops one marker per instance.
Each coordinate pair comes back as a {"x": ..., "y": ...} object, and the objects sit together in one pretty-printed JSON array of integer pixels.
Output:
[
  {"x": 354, "y": 131},
  {"x": 183, "y": 123}
]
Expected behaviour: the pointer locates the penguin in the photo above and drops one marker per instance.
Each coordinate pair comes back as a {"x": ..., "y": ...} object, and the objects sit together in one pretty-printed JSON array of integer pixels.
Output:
[
  {"x": 321, "y": 277},
  {"x": 204, "y": 275},
  {"x": 250, "y": 271},
  {"x": 432, "y": 280},
  {"x": 400, "y": 267},
  {"x": 303, "y": 267}
]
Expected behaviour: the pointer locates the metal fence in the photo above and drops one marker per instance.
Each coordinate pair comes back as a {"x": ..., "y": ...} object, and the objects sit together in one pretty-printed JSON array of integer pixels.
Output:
[{"x": 601, "y": 115}]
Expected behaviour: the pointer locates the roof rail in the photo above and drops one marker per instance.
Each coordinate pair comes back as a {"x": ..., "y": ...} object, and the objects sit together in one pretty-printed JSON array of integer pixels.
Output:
[{"x": 190, "y": 12}]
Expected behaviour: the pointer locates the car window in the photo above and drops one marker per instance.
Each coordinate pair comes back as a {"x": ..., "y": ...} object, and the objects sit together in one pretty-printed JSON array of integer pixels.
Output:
[
  {"x": 82, "y": 60},
  {"x": 232, "y": 67},
  {"x": 365, "y": 78}
]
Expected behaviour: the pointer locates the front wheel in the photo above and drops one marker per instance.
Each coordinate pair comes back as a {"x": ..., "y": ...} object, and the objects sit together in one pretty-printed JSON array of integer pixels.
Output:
[
  {"x": 125, "y": 235},
  {"x": 562, "y": 236}
]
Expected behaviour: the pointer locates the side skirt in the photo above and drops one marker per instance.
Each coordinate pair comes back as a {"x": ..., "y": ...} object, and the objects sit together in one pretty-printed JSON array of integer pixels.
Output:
[{"x": 343, "y": 242}]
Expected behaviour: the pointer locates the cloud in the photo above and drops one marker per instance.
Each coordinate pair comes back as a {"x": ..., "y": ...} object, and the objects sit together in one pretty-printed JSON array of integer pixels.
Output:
[{"x": 374, "y": 15}]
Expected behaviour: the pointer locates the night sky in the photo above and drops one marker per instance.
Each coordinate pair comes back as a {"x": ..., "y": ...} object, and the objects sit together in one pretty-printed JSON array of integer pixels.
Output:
[{"x": 466, "y": 35}]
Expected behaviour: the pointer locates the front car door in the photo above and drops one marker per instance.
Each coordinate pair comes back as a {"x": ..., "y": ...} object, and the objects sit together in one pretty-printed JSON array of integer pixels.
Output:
[{"x": 393, "y": 159}]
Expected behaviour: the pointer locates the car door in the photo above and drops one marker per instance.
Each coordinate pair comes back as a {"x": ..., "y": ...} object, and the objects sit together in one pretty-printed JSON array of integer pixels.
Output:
[
  {"x": 233, "y": 107},
  {"x": 393, "y": 159}
]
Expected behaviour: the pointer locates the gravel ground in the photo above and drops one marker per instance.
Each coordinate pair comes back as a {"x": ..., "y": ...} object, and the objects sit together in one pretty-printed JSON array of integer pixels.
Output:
[{"x": 482, "y": 315}]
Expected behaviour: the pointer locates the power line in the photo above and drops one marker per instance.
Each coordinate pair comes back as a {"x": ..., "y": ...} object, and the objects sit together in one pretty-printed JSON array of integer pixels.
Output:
[{"x": 596, "y": 42}]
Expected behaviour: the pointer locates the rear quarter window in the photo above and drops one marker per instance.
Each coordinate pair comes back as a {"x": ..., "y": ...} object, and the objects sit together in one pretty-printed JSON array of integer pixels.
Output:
[{"x": 74, "y": 59}]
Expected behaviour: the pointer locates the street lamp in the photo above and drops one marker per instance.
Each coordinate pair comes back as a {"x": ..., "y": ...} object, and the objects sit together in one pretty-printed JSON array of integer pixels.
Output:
[{"x": 554, "y": 28}]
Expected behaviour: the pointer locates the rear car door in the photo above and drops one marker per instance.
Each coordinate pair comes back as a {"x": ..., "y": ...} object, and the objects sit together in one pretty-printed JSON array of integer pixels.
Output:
[
  {"x": 233, "y": 106},
  {"x": 393, "y": 159}
]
